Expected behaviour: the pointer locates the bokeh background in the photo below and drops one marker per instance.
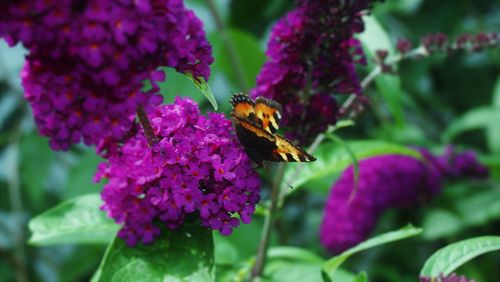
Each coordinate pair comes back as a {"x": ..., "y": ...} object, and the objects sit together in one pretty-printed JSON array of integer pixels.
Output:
[{"x": 442, "y": 99}]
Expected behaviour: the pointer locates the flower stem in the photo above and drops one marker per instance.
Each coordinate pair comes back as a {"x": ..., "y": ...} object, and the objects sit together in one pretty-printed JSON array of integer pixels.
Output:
[
  {"x": 266, "y": 231},
  {"x": 415, "y": 53},
  {"x": 147, "y": 127},
  {"x": 375, "y": 72},
  {"x": 14, "y": 187},
  {"x": 234, "y": 60}
]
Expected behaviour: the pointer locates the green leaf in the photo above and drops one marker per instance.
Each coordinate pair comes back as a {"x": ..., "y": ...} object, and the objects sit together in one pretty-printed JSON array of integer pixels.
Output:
[
  {"x": 440, "y": 223},
  {"x": 73, "y": 262},
  {"x": 398, "y": 6},
  {"x": 449, "y": 258},
  {"x": 354, "y": 160},
  {"x": 36, "y": 161},
  {"x": 332, "y": 159},
  {"x": 81, "y": 175},
  {"x": 178, "y": 84},
  {"x": 361, "y": 277},
  {"x": 332, "y": 264},
  {"x": 243, "y": 239},
  {"x": 476, "y": 118},
  {"x": 249, "y": 53},
  {"x": 225, "y": 251},
  {"x": 283, "y": 271},
  {"x": 477, "y": 209},
  {"x": 492, "y": 129},
  {"x": 79, "y": 220},
  {"x": 294, "y": 254},
  {"x": 376, "y": 38},
  {"x": 342, "y": 275},
  {"x": 186, "y": 254},
  {"x": 202, "y": 85}
]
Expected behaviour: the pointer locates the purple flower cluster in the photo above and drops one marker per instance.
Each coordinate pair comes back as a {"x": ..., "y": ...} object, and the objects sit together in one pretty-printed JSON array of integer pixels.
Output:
[
  {"x": 388, "y": 181},
  {"x": 450, "y": 278},
  {"x": 196, "y": 167},
  {"x": 312, "y": 54},
  {"x": 87, "y": 60},
  {"x": 403, "y": 45},
  {"x": 439, "y": 42}
]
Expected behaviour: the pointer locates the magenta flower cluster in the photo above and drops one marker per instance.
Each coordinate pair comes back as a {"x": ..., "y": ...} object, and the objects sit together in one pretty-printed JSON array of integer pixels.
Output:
[
  {"x": 196, "y": 167},
  {"x": 439, "y": 42},
  {"x": 388, "y": 181},
  {"x": 312, "y": 54},
  {"x": 88, "y": 59}
]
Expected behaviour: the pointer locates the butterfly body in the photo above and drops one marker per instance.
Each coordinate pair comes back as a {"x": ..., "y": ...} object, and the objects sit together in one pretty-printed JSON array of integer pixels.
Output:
[{"x": 256, "y": 123}]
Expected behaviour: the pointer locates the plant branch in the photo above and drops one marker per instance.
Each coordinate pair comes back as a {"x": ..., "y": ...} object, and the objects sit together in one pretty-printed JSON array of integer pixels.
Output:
[
  {"x": 375, "y": 72},
  {"x": 17, "y": 209},
  {"x": 264, "y": 241},
  {"x": 234, "y": 60}
]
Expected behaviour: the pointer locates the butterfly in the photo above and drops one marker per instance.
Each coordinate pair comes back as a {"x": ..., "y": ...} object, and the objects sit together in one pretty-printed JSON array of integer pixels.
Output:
[{"x": 256, "y": 123}]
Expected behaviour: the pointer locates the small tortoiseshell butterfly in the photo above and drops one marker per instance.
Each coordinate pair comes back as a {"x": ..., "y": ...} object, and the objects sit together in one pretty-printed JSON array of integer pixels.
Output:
[{"x": 256, "y": 123}]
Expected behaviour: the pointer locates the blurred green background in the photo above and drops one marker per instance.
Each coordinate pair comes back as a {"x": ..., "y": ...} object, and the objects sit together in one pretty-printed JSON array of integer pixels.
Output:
[{"x": 431, "y": 102}]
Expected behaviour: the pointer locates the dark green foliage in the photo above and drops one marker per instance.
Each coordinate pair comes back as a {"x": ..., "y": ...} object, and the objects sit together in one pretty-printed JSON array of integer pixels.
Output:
[{"x": 429, "y": 102}]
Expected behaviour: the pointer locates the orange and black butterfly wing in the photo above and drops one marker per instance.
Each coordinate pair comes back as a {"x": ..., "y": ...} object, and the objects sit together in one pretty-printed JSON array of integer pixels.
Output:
[
  {"x": 243, "y": 107},
  {"x": 285, "y": 151},
  {"x": 258, "y": 143},
  {"x": 268, "y": 114},
  {"x": 255, "y": 124}
]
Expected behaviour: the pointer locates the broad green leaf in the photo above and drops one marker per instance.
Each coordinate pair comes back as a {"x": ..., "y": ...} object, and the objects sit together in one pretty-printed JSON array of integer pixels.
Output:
[
  {"x": 186, "y": 254},
  {"x": 376, "y": 38},
  {"x": 243, "y": 239},
  {"x": 440, "y": 223},
  {"x": 398, "y": 6},
  {"x": 81, "y": 175},
  {"x": 354, "y": 160},
  {"x": 293, "y": 264},
  {"x": 35, "y": 163},
  {"x": 178, "y": 84},
  {"x": 477, "y": 209},
  {"x": 493, "y": 129},
  {"x": 225, "y": 251},
  {"x": 202, "y": 85},
  {"x": 73, "y": 262},
  {"x": 342, "y": 275},
  {"x": 9, "y": 103},
  {"x": 476, "y": 118},
  {"x": 79, "y": 220},
  {"x": 294, "y": 254},
  {"x": 333, "y": 264},
  {"x": 249, "y": 56},
  {"x": 492, "y": 161},
  {"x": 12, "y": 59},
  {"x": 285, "y": 271},
  {"x": 361, "y": 277},
  {"x": 449, "y": 258},
  {"x": 332, "y": 159}
]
